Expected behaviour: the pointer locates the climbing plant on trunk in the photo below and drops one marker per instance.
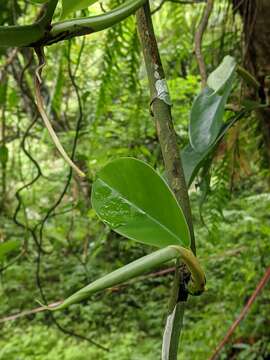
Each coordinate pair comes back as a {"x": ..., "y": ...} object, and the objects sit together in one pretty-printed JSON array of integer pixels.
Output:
[{"x": 129, "y": 195}]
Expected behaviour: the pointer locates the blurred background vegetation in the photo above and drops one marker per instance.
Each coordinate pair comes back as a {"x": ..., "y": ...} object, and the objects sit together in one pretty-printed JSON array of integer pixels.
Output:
[{"x": 96, "y": 93}]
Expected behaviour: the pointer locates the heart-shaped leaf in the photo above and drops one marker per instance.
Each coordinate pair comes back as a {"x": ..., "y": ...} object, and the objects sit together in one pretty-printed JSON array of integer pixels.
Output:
[
  {"x": 136, "y": 202},
  {"x": 69, "y": 6}
]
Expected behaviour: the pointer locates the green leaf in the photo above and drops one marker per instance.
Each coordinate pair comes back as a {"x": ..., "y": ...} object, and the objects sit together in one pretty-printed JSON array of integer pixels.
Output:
[
  {"x": 206, "y": 118},
  {"x": 3, "y": 154},
  {"x": 136, "y": 202},
  {"x": 208, "y": 108},
  {"x": 125, "y": 273},
  {"x": 69, "y": 6},
  {"x": 222, "y": 75},
  {"x": 7, "y": 247},
  {"x": 192, "y": 160},
  {"x": 139, "y": 267}
]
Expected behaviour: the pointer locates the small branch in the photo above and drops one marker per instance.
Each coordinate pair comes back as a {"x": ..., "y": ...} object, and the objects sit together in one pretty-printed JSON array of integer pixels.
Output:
[
  {"x": 243, "y": 313},
  {"x": 51, "y": 212},
  {"x": 65, "y": 331},
  {"x": 12, "y": 56},
  {"x": 27, "y": 312},
  {"x": 198, "y": 40}
]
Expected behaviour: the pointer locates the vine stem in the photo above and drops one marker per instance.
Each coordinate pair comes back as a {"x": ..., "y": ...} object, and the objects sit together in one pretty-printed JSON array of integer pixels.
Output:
[
  {"x": 198, "y": 40},
  {"x": 44, "y": 116},
  {"x": 42, "y": 32},
  {"x": 161, "y": 111}
]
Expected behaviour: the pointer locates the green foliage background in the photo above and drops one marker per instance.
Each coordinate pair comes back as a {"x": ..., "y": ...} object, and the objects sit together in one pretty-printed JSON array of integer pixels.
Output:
[{"x": 232, "y": 227}]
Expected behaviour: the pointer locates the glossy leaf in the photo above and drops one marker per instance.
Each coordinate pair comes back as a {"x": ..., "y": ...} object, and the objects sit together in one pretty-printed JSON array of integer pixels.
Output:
[
  {"x": 206, "y": 118},
  {"x": 192, "y": 160},
  {"x": 125, "y": 273},
  {"x": 222, "y": 75},
  {"x": 136, "y": 202},
  {"x": 69, "y": 6},
  {"x": 208, "y": 108},
  {"x": 7, "y": 247},
  {"x": 138, "y": 267}
]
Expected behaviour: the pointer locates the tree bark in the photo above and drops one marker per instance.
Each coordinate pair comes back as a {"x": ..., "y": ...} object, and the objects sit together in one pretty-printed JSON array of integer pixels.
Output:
[{"x": 256, "y": 53}]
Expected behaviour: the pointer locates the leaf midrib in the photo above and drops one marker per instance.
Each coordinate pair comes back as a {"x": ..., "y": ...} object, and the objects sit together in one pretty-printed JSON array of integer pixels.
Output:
[{"x": 140, "y": 210}]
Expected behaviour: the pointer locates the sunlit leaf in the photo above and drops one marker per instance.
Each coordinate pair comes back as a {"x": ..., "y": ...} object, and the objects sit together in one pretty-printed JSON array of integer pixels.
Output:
[
  {"x": 135, "y": 201},
  {"x": 222, "y": 75}
]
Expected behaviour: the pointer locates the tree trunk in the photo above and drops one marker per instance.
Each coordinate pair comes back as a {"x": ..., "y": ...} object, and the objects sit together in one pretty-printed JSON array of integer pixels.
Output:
[{"x": 256, "y": 52}]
